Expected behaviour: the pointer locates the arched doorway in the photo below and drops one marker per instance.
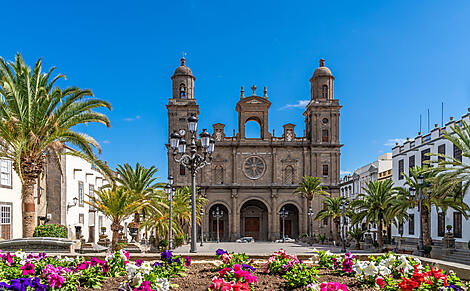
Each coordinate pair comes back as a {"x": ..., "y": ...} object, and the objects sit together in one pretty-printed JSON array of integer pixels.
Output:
[
  {"x": 221, "y": 224},
  {"x": 254, "y": 220},
  {"x": 291, "y": 222}
]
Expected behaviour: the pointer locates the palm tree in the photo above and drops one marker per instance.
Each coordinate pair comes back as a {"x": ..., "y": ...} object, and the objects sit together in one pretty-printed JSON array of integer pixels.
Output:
[
  {"x": 309, "y": 188},
  {"x": 37, "y": 120},
  {"x": 436, "y": 193},
  {"x": 356, "y": 233},
  {"x": 116, "y": 203},
  {"x": 139, "y": 180},
  {"x": 373, "y": 205},
  {"x": 332, "y": 208},
  {"x": 453, "y": 171}
]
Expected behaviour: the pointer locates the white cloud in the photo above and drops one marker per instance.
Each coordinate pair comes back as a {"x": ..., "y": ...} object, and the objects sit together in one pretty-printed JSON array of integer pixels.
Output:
[
  {"x": 105, "y": 142},
  {"x": 392, "y": 141},
  {"x": 344, "y": 172},
  {"x": 130, "y": 119},
  {"x": 299, "y": 104}
]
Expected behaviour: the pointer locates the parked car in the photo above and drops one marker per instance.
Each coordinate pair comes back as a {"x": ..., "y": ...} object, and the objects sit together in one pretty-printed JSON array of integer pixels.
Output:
[
  {"x": 246, "y": 239},
  {"x": 287, "y": 239}
]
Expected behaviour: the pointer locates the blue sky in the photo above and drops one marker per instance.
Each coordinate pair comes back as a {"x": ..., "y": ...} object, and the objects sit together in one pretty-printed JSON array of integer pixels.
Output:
[{"x": 392, "y": 61}]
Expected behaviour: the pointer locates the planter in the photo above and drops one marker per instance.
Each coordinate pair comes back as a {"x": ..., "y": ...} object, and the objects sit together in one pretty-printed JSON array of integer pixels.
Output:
[{"x": 37, "y": 244}]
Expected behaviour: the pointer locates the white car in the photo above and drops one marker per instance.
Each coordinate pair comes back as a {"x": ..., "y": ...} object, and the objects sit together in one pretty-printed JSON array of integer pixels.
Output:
[
  {"x": 246, "y": 239},
  {"x": 287, "y": 240}
]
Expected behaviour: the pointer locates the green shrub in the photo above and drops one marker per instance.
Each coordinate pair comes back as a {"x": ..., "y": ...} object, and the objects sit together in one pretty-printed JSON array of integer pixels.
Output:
[
  {"x": 179, "y": 240},
  {"x": 427, "y": 249},
  {"x": 300, "y": 276},
  {"x": 51, "y": 230},
  {"x": 322, "y": 238},
  {"x": 163, "y": 243}
]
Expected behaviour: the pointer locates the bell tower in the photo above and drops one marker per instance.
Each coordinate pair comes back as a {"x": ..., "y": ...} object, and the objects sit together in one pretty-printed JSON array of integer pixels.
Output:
[
  {"x": 322, "y": 125},
  {"x": 180, "y": 106}
]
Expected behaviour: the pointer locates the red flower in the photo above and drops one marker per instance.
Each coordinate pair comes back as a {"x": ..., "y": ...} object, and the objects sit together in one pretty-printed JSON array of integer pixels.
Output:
[{"x": 380, "y": 281}]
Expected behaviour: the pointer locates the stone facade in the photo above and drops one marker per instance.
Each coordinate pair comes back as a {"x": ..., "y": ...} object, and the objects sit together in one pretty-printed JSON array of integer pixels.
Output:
[{"x": 252, "y": 179}]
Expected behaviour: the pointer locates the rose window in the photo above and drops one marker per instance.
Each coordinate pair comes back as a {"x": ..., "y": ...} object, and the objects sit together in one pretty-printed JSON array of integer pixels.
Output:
[{"x": 254, "y": 167}]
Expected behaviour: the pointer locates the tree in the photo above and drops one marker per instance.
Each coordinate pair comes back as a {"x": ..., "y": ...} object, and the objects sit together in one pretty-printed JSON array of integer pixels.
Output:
[
  {"x": 436, "y": 194},
  {"x": 139, "y": 180},
  {"x": 453, "y": 172},
  {"x": 37, "y": 119},
  {"x": 373, "y": 205},
  {"x": 356, "y": 233},
  {"x": 158, "y": 205},
  {"x": 309, "y": 188},
  {"x": 116, "y": 203},
  {"x": 332, "y": 208}
]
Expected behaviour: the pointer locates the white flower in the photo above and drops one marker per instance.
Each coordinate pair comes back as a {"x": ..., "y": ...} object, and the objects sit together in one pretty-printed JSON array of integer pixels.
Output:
[
  {"x": 109, "y": 257},
  {"x": 384, "y": 271},
  {"x": 162, "y": 284},
  {"x": 21, "y": 255},
  {"x": 145, "y": 268},
  {"x": 122, "y": 255},
  {"x": 131, "y": 270},
  {"x": 370, "y": 270}
]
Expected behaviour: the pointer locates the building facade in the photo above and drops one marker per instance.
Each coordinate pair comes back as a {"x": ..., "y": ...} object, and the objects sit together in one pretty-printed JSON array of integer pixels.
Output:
[
  {"x": 413, "y": 152},
  {"x": 379, "y": 170},
  {"x": 252, "y": 179}
]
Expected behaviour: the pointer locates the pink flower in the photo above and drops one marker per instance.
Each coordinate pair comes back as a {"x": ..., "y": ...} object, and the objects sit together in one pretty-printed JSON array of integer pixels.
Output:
[
  {"x": 187, "y": 261},
  {"x": 55, "y": 280},
  {"x": 27, "y": 268},
  {"x": 217, "y": 283},
  {"x": 145, "y": 286},
  {"x": 333, "y": 286}
]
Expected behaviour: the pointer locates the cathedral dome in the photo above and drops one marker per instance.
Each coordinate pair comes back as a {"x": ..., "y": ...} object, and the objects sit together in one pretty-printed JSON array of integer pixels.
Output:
[
  {"x": 183, "y": 70},
  {"x": 322, "y": 71}
]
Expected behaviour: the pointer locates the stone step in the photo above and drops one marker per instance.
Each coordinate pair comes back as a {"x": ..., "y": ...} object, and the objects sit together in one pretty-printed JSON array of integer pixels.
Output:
[{"x": 457, "y": 260}]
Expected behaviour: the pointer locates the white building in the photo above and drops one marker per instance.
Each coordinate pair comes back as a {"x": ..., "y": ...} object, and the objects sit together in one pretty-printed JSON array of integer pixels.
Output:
[
  {"x": 352, "y": 185},
  {"x": 413, "y": 152},
  {"x": 54, "y": 198},
  {"x": 10, "y": 202}
]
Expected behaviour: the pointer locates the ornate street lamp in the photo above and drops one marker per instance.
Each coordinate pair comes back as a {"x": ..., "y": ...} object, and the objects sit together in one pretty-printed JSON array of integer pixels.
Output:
[
  {"x": 193, "y": 161},
  {"x": 170, "y": 191},
  {"x": 344, "y": 209},
  {"x": 218, "y": 214},
  {"x": 310, "y": 214},
  {"x": 202, "y": 225},
  {"x": 283, "y": 213}
]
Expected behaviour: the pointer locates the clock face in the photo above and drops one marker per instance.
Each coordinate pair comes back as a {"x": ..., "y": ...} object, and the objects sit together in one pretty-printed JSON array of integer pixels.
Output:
[
  {"x": 254, "y": 167},
  {"x": 182, "y": 132},
  {"x": 325, "y": 120}
]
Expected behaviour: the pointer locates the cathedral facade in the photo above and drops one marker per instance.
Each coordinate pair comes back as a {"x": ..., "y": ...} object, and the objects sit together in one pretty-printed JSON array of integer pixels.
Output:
[{"x": 251, "y": 179}]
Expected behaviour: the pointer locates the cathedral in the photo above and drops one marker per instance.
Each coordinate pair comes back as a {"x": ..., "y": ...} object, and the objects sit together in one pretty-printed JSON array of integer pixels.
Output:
[{"x": 251, "y": 179}]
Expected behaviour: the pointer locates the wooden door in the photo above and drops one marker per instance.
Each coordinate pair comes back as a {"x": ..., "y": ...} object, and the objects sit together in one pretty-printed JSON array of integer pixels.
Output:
[
  {"x": 252, "y": 227},
  {"x": 288, "y": 226}
]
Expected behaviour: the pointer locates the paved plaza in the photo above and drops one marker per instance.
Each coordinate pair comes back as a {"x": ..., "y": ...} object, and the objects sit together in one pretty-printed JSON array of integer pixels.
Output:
[{"x": 257, "y": 248}]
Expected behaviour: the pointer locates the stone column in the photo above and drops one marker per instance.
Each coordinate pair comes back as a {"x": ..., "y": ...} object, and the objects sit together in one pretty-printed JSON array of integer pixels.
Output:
[
  {"x": 235, "y": 223},
  {"x": 275, "y": 234}
]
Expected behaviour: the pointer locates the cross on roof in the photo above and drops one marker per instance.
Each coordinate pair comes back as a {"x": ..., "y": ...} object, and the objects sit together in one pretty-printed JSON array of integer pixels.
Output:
[{"x": 254, "y": 89}]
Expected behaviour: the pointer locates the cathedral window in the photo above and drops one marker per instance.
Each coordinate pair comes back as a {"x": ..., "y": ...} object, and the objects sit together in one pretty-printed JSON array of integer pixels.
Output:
[
  {"x": 325, "y": 121},
  {"x": 289, "y": 175},
  {"x": 324, "y": 135},
  {"x": 324, "y": 91},
  {"x": 182, "y": 170},
  {"x": 325, "y": 170},
  {"x": 219, "y": 175},
  {"x": 182, "y": 91}
]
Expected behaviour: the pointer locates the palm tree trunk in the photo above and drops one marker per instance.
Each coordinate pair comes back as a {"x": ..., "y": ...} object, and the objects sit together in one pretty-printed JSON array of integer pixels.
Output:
[
  {"x": 338, "y": 233},
  {"x": 358, "y": 244},
  {"x": 28, "y": 207},
  {"x": 115, "y": 228},
  {"x": 379, "y": 234},
  {"x": 426, "y": 225}
]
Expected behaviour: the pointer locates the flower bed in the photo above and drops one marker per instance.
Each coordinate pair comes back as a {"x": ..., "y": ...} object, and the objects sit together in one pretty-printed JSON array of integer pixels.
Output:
[{"x": 24, "y": 272}]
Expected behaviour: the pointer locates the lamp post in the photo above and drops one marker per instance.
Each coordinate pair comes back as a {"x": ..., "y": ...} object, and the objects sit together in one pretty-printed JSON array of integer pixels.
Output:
[
  {"x": 218, "y": 214},
  {"x": 420, "y": 197},
  {"x": 283, "y": 213},
  {"x": 344, "y": 209},
  {"x": 310, "y": 216},
  {"x": 193, "y": 161},
  {"x": 170, "y": 191},
  {"x": 202, "y": 225}
]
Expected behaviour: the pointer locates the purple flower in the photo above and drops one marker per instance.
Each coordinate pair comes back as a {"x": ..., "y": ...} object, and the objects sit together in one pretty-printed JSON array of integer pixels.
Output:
[
  {"x": 187, "y": 261},
  {"x": 220, "y": 252},
  {"x": 248, "y": 267},
  {"x": 157, "y": 265},
  {"x": 166, "y": 255},
  {"x": 138, "y": 262}
]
